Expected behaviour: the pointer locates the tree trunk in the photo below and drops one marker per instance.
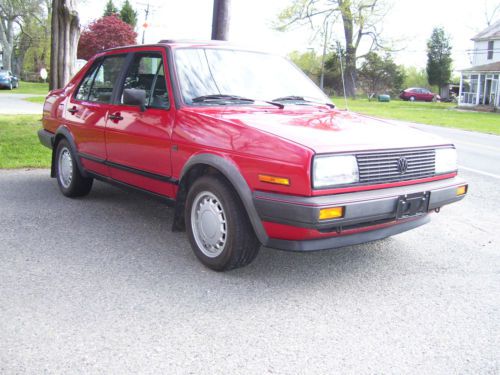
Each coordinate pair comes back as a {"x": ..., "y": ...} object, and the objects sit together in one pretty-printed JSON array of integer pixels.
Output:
[
  {"x": 7, "y": 57},
  {"x": 65, "y": 34},
  {"x": 350, "y": 49},
  {"x": 7, "y": 41},
  {"x": 220, "y": 20}
]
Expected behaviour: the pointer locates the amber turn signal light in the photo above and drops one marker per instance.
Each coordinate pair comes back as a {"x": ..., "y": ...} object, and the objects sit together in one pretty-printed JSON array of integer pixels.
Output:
[
  {"x": 331, "y": 213},
  {"x": 274, "y": 179},
  {"x": 461, "y": 190}
]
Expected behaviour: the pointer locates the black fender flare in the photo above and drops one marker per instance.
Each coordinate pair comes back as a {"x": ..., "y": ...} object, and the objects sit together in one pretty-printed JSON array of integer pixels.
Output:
[
  {"x": 231, "y": 172},
  {"x": 63, "y": 131}
]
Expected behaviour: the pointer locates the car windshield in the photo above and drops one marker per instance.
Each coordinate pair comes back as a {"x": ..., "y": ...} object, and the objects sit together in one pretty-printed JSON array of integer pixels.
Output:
[
  {"x": 208, "y": 76},
  {"x": 4, "y": 74}
]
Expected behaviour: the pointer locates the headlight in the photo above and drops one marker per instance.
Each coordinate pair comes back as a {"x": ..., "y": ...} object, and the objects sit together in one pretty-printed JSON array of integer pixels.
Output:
[
  {"x": 334, "y": 170},
  {"x": 446, "y": 160}
]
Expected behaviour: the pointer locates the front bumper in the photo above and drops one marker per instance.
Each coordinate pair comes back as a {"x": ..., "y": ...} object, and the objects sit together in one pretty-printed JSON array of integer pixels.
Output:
[{"x": 292, "y": 222}]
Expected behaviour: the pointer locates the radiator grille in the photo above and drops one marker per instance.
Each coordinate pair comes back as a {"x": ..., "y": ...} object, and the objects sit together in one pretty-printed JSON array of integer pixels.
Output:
[{"x": 381, "y": 167}]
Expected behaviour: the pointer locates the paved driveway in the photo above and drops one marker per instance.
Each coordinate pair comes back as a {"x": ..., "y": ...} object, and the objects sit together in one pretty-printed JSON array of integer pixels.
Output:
[
  {"x": 101, "y": 285},
  {"x": 13, "y": 104}
]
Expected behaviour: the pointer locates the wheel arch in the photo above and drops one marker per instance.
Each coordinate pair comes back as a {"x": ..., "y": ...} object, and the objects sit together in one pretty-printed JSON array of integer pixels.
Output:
[
  {"x": 64, "y": 133},
  {"x": 202, "y": 164}
]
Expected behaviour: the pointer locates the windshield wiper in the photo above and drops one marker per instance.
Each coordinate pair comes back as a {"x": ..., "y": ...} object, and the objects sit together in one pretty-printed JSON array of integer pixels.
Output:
[
  {"x": 296, "y": 98},
  {"x": 236, "y": 98}
]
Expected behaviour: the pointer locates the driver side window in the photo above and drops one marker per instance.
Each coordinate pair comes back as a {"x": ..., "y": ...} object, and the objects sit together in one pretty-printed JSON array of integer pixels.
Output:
[{"x": 147, "y": 73}]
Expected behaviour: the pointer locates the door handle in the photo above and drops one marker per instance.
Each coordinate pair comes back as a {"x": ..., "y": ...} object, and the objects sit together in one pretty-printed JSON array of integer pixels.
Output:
[
  {"x": 115, "y": 117},
  {"x": 73, "y": 110}
]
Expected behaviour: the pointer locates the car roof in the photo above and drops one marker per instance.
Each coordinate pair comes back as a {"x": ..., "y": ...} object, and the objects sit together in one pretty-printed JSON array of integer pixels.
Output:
[{"x": 184, "y": 43}]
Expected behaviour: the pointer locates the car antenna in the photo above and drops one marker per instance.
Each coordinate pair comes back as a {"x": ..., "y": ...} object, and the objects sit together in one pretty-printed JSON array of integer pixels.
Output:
[{"x": 342, "y": 74}]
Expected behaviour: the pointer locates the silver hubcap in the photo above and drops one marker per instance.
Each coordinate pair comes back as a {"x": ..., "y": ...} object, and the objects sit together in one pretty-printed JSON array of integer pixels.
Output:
[
  {"x": 65, "y": 167},
  {"x": 209, "y": 225}
]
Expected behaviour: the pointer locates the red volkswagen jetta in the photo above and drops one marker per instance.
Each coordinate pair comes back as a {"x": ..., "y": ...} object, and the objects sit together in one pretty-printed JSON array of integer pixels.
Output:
[{"x": 246, "y": 148}]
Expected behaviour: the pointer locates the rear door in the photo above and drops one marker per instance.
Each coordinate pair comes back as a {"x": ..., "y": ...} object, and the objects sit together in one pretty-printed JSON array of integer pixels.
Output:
[
  {"x": 138, "y": 142},
  {"x": 87, "y": 110}
]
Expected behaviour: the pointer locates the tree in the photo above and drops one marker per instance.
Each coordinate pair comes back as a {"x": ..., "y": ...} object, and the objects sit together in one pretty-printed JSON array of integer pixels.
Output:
[
  {"x": 220, "y": 20},
  {"x": 12, "y": 13},
  {"x": 360, "y": 20},
  {"x": 128, "y": 14},
  {"x": 110, "y": 9},
  {"x": 379, "y": 75},
  {"x": 33, "y": 40},
  {"x": 439, "y": 59},
  {"x": 417, "y": 77},
  {"x": 491, "y": 13},
  {"x": 106, "y": 32},
  {"x": 65, "y": 31},
  {"x": 308, "y": 62}
]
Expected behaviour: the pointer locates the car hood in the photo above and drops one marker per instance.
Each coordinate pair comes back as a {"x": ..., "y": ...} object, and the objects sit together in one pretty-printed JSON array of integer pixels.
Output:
[{"x": 325, "y": 130}]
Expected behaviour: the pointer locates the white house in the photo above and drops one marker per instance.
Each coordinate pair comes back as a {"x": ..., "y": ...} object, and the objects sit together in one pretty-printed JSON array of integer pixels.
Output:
[{"x": 479, "y": 84}]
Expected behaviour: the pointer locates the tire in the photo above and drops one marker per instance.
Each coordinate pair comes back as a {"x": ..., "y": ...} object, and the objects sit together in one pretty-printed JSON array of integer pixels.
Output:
[
  {"x": 231, "y": 242},
  {"x": 71, "y": 182},
  {"x": 412, "y": 99},
  {"x": 10, "y": 86}
]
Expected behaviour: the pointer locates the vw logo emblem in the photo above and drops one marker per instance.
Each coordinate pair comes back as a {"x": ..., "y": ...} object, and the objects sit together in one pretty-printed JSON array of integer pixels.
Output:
[{"x": 402, "y": 164}]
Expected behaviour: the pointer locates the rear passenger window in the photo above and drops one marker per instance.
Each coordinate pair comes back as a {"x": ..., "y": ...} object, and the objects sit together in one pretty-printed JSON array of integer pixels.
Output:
[
  {"x": 98, "y": 84},
  {"x": 147, "y": 73}
]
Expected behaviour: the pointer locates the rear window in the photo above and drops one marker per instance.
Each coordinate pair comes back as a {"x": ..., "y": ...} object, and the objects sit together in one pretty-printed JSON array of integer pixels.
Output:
[{"x": 98, "y": 83}]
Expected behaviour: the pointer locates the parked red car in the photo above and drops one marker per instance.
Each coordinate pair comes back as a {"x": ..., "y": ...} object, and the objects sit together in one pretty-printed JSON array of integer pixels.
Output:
[
  {"x": 413, "y": 94},
  {"x": 246, "y": 148}
]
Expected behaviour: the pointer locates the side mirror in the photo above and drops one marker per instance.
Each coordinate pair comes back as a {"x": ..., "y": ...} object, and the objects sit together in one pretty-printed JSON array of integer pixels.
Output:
[{"x": 135, "y": 97}]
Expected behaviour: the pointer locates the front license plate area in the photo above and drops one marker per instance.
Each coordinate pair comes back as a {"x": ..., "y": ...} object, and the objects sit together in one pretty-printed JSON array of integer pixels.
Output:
[{"x": 412, "y": 205}]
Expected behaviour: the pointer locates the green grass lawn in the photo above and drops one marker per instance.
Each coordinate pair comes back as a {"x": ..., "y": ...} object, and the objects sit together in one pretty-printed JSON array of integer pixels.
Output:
[
  {"x": 442, "y": 114},
  {"x": 35, "y": 99},
  {"x": 19, "y": 144},
  {"x": 29, "y": 88}
]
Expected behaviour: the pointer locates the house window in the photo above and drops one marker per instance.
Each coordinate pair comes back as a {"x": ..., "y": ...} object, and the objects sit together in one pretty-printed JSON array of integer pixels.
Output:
[{"x": 490, "y": 49}]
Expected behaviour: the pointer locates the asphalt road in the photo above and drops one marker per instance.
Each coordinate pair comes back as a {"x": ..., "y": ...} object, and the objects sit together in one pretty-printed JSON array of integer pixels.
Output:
[
  {"x": 101, "y": 285},
  {"x": 13, "y": 104}
]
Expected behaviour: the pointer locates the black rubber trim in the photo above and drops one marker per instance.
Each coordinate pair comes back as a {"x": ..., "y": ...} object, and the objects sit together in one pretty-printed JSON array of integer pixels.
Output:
[
  {"x": 125, "y": 168},
  {"x": 231, "y": 172},
  {"x": 64, "y": 131},
  {"x": 360, "y": 207},
  {"x": 346, "y": 240},
  {"x": 125, "y": 186},
  {"x": 46, "y": 138}
]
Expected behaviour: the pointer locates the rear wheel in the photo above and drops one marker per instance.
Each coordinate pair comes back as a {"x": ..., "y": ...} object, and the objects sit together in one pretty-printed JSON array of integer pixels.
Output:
[
  {"x": 10, "y": 86},
  {"x": 218, "y": 227},
  {"x": 70, "y": 181}
]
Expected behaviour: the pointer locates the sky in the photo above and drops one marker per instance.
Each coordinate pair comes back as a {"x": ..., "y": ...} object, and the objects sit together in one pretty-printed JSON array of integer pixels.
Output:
[{"x": 408, "y": 24}]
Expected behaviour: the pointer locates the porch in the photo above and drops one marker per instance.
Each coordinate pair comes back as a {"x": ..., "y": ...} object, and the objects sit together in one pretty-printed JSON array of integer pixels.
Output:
[{"x": 480, "y": 86}]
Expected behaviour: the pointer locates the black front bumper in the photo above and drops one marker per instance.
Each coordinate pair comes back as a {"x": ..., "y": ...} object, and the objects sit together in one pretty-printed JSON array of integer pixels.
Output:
[{"x": 361, "y": 211}]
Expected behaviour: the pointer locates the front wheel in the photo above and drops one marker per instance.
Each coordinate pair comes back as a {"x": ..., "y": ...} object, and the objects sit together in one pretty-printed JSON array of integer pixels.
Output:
[
  {"x": 70, "y": 181},
  {"x": 218, "y": 227},
  {"x": 412, "y": 98}
]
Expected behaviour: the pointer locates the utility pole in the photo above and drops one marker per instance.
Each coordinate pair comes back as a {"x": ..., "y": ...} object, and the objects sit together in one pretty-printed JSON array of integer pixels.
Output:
[
  {"x": 220, "y": 20},
  {"x": 145, "y": 25}
]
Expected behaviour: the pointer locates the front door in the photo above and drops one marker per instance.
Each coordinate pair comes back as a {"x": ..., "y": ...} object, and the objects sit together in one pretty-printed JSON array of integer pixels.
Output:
[
  {"x": 87, "y": 110},
  {"x": 138, "y": 140}
]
